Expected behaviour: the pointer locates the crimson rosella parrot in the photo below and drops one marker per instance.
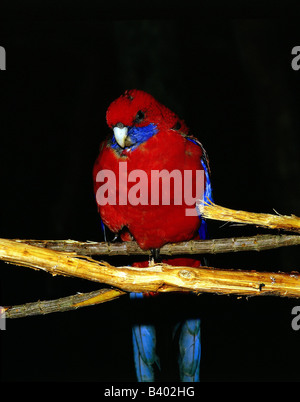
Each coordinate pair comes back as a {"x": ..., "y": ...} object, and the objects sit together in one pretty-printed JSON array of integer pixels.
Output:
[{"x": 136, "y": 200}]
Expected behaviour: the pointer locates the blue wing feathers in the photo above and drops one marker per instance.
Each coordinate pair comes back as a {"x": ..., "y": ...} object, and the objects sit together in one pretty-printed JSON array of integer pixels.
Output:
[
  {"x": 207, "y": 197},
  {"x": 103, "y": 230}
]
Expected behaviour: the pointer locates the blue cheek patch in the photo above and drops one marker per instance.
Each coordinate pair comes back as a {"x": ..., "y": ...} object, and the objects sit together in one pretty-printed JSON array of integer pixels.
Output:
[{"x": 137, "y": 135}]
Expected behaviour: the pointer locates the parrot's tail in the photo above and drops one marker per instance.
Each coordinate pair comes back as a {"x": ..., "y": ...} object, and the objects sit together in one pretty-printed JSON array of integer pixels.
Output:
[
  {"x": 144, "y": 349},
  {"x": 189, "y": 351}
]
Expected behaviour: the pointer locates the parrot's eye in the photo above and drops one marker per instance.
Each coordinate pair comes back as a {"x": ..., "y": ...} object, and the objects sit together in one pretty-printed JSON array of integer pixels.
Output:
[{"x": 139, "y": 116}]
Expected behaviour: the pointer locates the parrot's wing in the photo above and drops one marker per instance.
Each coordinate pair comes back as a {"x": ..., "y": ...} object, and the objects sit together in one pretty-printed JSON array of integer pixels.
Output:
[
  {"x": 108, "y": 235},
  {"x": 207, "y": 195},
  {"x": 104, "y": 229}
]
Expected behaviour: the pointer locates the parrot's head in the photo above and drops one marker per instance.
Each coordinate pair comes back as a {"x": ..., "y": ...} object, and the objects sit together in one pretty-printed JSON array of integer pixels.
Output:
[{"x": 136, "y": 116}]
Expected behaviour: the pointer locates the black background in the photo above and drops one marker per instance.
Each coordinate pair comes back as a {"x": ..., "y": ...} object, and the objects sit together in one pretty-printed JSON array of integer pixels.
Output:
[{"x": 228, "y": 73}]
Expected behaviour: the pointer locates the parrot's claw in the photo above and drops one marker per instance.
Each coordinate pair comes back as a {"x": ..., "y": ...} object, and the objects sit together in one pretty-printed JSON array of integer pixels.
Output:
[{"x": 155, "y": 255}]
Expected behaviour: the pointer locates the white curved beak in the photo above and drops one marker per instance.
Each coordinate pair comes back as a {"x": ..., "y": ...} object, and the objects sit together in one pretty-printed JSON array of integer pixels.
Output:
[{"x": 120, "y": 135}]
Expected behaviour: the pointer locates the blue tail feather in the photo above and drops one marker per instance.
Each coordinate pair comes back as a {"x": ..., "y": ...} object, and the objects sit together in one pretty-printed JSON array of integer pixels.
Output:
[
  {"x": 190, "y": 351},
  {"x": 144, "y": 343},
  {"x": 144, "y": 348}
]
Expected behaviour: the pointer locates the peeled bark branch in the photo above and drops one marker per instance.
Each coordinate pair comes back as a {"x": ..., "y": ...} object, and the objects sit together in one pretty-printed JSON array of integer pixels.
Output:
[{"x": 216, "y": 212}]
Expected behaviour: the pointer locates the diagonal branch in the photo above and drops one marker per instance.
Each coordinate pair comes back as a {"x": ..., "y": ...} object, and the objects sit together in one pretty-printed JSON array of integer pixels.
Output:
[{"x": 63, "y": 304}]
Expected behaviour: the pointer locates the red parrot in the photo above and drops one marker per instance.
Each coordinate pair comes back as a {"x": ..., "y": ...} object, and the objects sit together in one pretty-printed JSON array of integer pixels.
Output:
[
  {"x": 148, "y": 178},
  {"x": 151, "y": 138}
]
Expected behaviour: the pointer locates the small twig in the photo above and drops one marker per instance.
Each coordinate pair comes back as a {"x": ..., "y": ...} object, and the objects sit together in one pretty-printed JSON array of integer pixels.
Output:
[
  {"x": 63, "y": 304},
  {"x": 216, "y": 212},
  {"x": 214, "y": 246}
]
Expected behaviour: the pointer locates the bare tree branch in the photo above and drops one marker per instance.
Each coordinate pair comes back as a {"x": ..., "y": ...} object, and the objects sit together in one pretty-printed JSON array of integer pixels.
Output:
[
  {"x": 214, "y": 246},
  {"x": 63, "y": 304}
]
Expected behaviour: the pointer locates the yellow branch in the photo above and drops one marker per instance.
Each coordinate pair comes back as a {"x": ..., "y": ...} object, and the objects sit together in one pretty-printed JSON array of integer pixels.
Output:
[{"x": 216, "y": 212}]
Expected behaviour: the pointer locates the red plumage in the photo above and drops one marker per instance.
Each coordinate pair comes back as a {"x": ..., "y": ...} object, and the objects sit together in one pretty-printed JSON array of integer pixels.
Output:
[
  {"x": 151, "y": 226},
  {"x": 125, "y": 108}
]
